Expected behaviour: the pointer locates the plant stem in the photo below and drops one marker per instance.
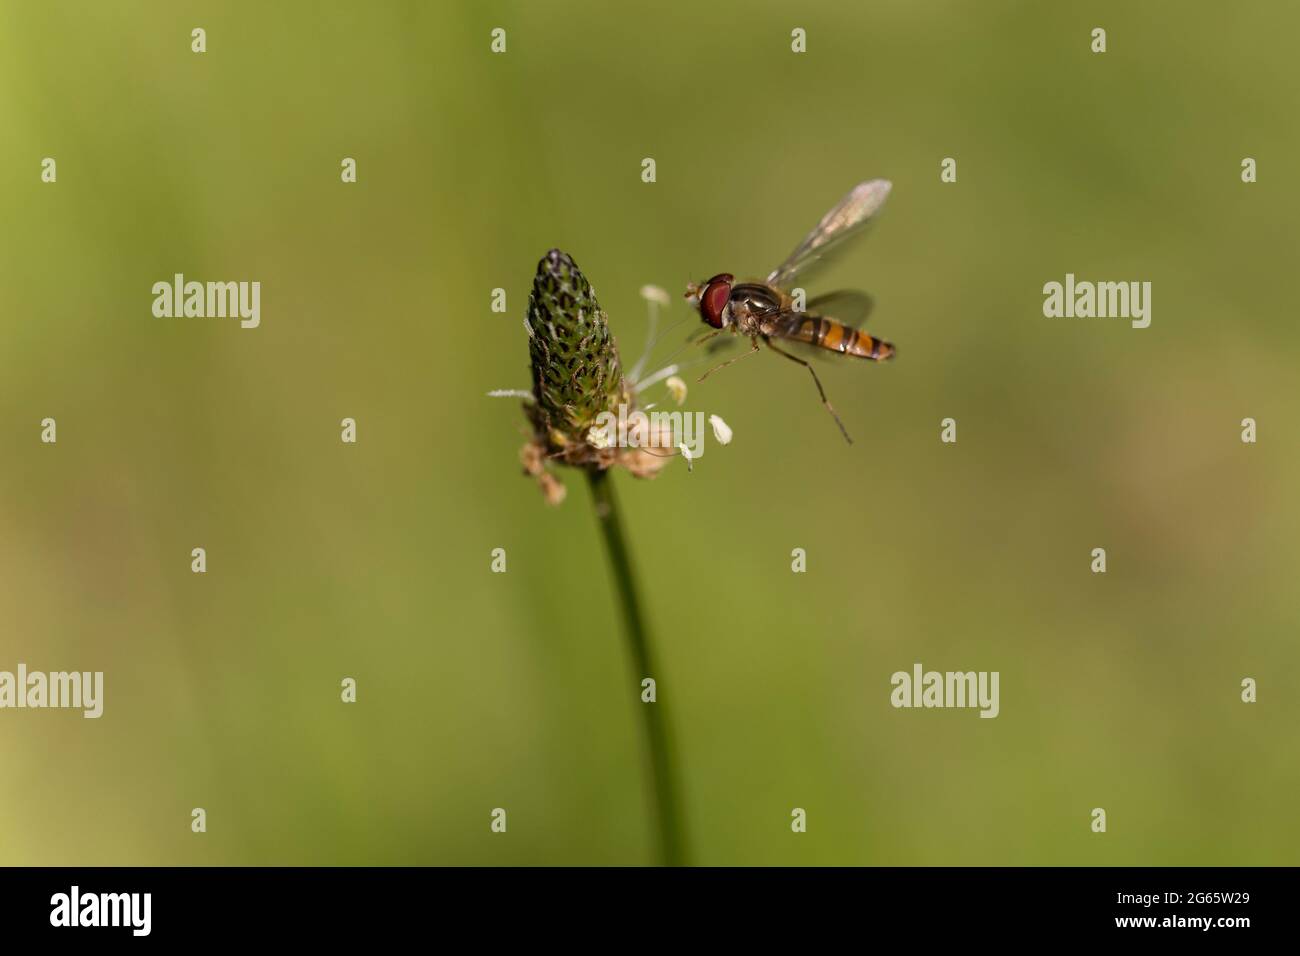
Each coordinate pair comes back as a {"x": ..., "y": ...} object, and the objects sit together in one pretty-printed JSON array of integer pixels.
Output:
[{"x": 672, "y": 842}]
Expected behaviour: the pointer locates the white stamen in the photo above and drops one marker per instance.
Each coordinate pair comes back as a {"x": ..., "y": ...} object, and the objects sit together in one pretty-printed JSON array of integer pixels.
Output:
[
  {"x": 652, "y": 293},
  {"x": 721, "y": 430},
  {"x": 677, "y": 389},
  {"x": 657, "y": 377},
  {"x": 654, "y": 297}
]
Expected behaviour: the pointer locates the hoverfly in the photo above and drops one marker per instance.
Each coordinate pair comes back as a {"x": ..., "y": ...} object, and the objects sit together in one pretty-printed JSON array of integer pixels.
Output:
[{"x": 765, "y": 311}]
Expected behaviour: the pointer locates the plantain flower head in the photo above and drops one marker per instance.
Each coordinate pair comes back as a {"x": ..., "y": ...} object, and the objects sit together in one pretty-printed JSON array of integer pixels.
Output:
[{"x": 577, "y": 377}]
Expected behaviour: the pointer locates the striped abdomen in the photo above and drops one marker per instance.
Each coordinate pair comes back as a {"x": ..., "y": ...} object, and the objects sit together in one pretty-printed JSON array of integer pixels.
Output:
[{"x": 838, "y": 337}]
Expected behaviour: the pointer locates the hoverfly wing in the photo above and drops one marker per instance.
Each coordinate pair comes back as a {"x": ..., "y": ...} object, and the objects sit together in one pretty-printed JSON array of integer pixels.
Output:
[
  {"x": 825, "y": 336},
  {"x": 848, "y": 305},
  {"x": 846, "y": 218}
]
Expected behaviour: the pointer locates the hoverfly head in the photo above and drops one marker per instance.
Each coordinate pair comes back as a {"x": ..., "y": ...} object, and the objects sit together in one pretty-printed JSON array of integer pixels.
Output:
[{"x": 711, "y": 299}]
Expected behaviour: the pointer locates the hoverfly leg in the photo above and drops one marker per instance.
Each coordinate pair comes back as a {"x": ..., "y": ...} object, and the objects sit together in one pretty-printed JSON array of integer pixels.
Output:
[
  {"x": 821, "y": 391},
  {"x": 752, "y": 350}
]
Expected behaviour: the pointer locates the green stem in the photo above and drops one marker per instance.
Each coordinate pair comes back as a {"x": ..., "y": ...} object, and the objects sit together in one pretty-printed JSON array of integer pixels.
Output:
[{"x": 672, "y": 842}]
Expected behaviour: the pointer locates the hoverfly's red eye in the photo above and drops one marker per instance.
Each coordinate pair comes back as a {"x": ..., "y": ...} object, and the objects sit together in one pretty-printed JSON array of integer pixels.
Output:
[{"x": 714, "y": 299}]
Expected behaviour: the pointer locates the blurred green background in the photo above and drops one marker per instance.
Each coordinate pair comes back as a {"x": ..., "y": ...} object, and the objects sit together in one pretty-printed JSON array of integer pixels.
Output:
[{"x": 481, "y": 690}]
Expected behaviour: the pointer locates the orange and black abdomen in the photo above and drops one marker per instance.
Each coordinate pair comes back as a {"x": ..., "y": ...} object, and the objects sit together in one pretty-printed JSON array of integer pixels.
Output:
[{"x": 838, "y": 337}]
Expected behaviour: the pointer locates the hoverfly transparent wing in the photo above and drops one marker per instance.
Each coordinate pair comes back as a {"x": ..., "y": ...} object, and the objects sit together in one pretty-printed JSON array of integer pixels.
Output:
[
  {"x": 848, "y": 305},
  {"x": 845, "y": 219}
]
